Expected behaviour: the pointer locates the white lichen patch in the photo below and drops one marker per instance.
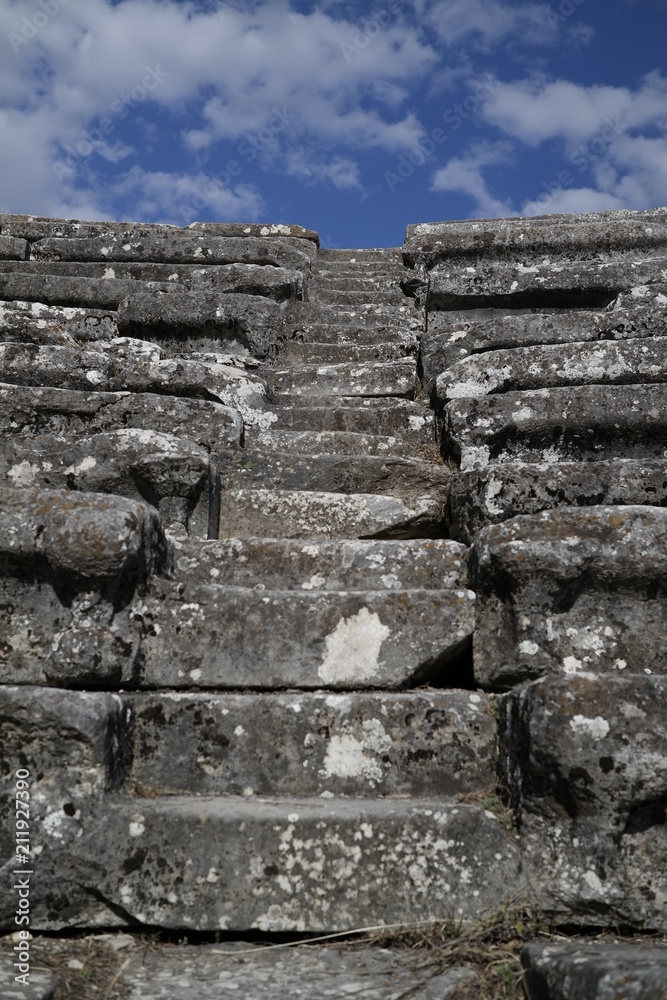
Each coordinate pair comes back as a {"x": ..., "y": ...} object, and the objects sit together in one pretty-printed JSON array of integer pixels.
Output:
[
  {"x": 84, "y": 465},
  {"x": 353, "y": 649},
  {"x": 596, "y": 728},
  {"x": 23, "y": 474}
]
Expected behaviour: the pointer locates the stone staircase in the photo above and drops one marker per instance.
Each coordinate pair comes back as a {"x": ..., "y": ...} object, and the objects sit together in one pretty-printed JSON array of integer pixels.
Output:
[{"x": 333, "y": 587}]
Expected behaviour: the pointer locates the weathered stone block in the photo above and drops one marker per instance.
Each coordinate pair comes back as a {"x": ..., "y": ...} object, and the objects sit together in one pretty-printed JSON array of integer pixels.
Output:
[
  {"x": 595, "y": 970},
  {"x": 35, "y": 227},
  {"x": 281, "y": 564},
  {"x": 224, "y": 637},
  {"x": 595, "y": 423},
  {"x": 309, "y": 514},
  {"x": 287, "y": 865},
  {"x": 587, "y": 770},
  {"x": 505, "y": 489},
  {"x": 570, "y": 590},
  {"x": 371, "y": 745},
  {"x": 57, "y": 290},
  {"x": 410, "y": 421},
  {"x": 12, "y": 248},
  {"x": 258, "y": 229},
  {"x": 36, "y": 323},
  {"x": 395, "y": 378},
  {"x": 175, "y": 247}
]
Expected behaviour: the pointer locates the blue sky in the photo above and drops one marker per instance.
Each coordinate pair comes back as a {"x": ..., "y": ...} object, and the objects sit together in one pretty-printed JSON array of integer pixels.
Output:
[{"x": 354, "y": 119}]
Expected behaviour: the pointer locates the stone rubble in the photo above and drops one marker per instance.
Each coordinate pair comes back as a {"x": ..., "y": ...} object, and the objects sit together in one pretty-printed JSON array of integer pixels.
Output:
[{"x": 286, "y": 649}]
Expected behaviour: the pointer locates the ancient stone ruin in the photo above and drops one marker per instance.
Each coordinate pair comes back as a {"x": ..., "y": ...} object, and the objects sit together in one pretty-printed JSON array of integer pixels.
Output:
[{"x": 334, "y": 582}]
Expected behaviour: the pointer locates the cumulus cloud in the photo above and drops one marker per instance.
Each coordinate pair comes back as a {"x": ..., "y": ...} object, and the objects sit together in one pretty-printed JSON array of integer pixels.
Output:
[{"x": 466, "y": 175}]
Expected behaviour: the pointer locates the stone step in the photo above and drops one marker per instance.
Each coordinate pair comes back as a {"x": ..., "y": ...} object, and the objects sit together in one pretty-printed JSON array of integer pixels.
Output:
[
  {"x": 304, "y": 314},
  {"x": 607, "y": 734},
  {"x": 358, "y": 279},
  {"x": 299, "y": 352},
  {"x": 352, "y": 297},
  {"x": 400, "y": 418},
  {"x": 639, "y": 360},
  {"x": 391, "y": 255},
  {"x": 407, "y": 478},
  {"x": 281, "y": 564},
  {"x": 306, "y": 514},
  {"x": 332, "y": 443},
  {"x": 36, "y": 323},
  {"x": 594, "y": 970},
  {"x": 211, "y": 864},
  {"x": 573, "y": 283},
  {"x": 354, "y": 335},
  {"x": 505, "y": 489},
  {"x": 267, "y": 640},
  {"x": 448, "y": 342},
  {"x": 170, "y": 473},
  {"x": 570, "y": 590},
  {"x": 593, "y": 423},
  {"x": 361, "y": 745},
  {"x": 27, "y": 411},
  {"x": 394, "y": 378},
  {"x": 278, "y": 283}
]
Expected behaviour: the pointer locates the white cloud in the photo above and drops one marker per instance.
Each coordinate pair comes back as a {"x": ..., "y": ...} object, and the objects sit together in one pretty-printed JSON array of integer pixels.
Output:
[
  {"x": 465, "y": 174},
  {"x": 486, "y": 23}
]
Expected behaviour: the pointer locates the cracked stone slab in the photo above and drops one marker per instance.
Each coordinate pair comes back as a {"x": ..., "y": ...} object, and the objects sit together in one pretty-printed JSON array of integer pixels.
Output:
[
  {"x": 505, "y": 489},
  {"x": 403, "y": 418},
  {"x": 36, "y": 323},
  {"x": 283, "y": 564},
  {"x": 594, "y": 970},
  {"x": 27, "y": 411},
  {"x": 181, "y": 247},
  {"x": 318, "y": 515},
  {"x": 568, "y": 591},
  {"x": 580, "y": 283},
  {"x": 588, "y": 778},
  {"x": 12, "y": 248},
  {"x": 394, "y": 378},
  {"x": 448, "y": 342},
  {"x": 172, "y": 474},
  {"x": 640, "y": 360},
  {"x": 326, "y": 745},
  {"x": 593, "y": 423},
  {"x": 208, "y": 635},
  {"x": 285, "y": 865}
]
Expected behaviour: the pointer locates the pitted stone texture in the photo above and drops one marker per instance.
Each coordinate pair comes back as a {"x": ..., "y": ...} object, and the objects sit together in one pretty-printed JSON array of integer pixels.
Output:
[
  {"x": 72, "y": 563},
  {"x": 641, "y": 360},
  {"x": 177, "y": 248},
  {"x": 130, "y": 369},
  {"x": 203, "y": 321},
  {"x": 394, "y": 378},
  {"x": 410, "y": 421},
  {"x": 368, "y": 745},
  {"x": 29, "y": 411},
  {"x": 573, "y": 284},
  {"x": 75, "y": 746},
  {"x": 449, "y": 341},
  {"x": 307, "y": 352},
  {"x": 595, "y": 423},
  {"x": 595, "y": 970},
  {"x": 223, "y": 637},
  {"x": 36, "y": 323},
  {"x": 503, "y": 490},
  {"x": 566, "y": 236},
  {"x": 370, "y": 315},
  {"x": 36, "y": 227},
  {"x": 169, "y": 473},
  {"x": 310, "y": 514},
  {"x": 40, "y": 986},
  {"x": 12, "y": 248},
  {"x": 258, "y": 229},
  {"x": 331, "y": 443},
  {"x": 250, "y": 279},
  {"x": 569, "y": 591},
  {"x": 277, "y": 563},
  {"x": 287, "y": 865},
  {"x": 58, "y": 290},
  {"x": 388, "y": 475}
]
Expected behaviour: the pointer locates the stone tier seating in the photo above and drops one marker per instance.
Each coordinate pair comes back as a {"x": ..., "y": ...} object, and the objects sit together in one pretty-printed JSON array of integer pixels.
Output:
[{"x": 334, "y": 581}]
